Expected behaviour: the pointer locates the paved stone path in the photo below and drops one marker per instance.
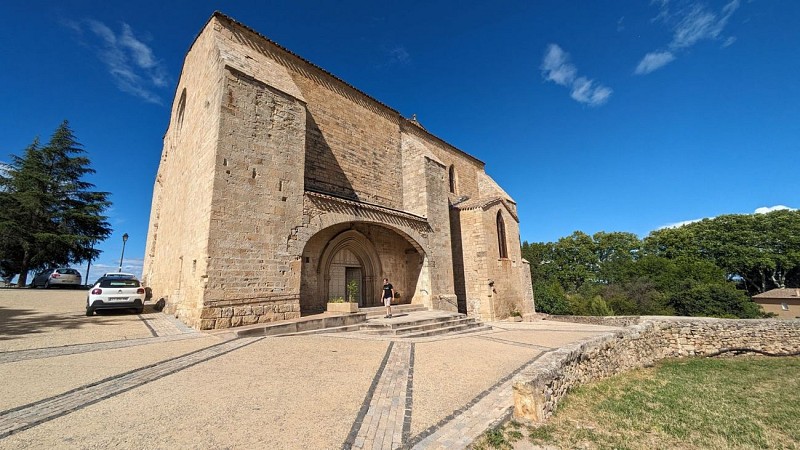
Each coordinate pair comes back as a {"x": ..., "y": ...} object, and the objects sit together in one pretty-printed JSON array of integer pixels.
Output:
[
  {"x": 27, "y": 416},
  {"x": 385, "y": 418},
  {"x": 386, "y": 423},
  {"x": 464, "y": 426}
]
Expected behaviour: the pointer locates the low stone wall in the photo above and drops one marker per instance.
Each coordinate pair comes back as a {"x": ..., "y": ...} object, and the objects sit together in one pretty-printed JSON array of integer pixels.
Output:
[
  {"x": 609, "y": 321},
  {"x": 539, "y": 389}
]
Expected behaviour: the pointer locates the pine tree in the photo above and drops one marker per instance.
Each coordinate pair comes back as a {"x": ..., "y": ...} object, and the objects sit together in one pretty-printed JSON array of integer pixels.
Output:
[{"x": 48, "y": 214}]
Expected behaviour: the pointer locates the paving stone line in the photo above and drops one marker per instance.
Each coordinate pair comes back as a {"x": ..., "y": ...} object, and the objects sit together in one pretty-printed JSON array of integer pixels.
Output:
[
  {"x": 389, "y": 413},
  {"x": 27, "y": 416},
  {"x": 465, "y": 425},
  {"x": 516, "y": 343},
  {"x": 49, "y": 352}
]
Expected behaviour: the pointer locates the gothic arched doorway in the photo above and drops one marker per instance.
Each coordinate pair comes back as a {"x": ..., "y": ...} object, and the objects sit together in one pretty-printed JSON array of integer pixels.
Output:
[{"x": 361, "y": 254}]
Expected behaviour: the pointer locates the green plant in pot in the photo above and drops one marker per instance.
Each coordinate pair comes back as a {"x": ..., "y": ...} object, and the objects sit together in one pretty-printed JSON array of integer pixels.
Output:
[{"x": 352, "y": 291}]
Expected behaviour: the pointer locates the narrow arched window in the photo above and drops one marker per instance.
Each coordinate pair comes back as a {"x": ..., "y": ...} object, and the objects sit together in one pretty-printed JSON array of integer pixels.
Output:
[
  {"x": 452, "y": 174},
  {"x": 501, "y": 235}
]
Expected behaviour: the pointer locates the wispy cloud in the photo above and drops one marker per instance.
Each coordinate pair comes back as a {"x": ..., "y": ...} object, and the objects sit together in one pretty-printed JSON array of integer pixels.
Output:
[
  {"x": 768, "y": 209},
  {"x": 556, "y": 67},
  {"x": 400, "y": 55},
  {"x": 678, "y": 224},
  {"x": 654, "y": 61},
  {"x": 761, "y": 210},
  {"x": 130, "y": 61},
  {"x": 691, "y": 22}
]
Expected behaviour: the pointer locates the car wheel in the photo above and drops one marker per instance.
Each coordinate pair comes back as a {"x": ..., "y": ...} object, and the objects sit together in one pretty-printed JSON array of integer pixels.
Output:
[
  {"x": 47, "y": 285},
  {"x": 89, "y": 312},
  {"x": 140, "y": 310}
]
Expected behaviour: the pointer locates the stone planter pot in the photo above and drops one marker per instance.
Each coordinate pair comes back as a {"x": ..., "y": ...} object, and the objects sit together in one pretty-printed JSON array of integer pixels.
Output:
[{"x": 345, "y": 307}]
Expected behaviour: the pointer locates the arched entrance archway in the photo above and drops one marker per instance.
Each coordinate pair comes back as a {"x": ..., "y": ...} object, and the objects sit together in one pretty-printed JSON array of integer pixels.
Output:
[
  {"x": 363, "y": 252},
  {"x": 340, "y": 254}
]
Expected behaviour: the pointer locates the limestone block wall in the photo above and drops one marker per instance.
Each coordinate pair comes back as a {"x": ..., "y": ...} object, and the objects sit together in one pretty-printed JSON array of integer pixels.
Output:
[
  {"x": 352, "y": 141},
  {"x": 508, "y": 292},
  {"x": 439, "y": 258},
  {"x": 258, "y": 197},
  {"x": 539, "y": 389},
  {"x": 176, "y": 251},
  {"x": 476, "y": 265}
]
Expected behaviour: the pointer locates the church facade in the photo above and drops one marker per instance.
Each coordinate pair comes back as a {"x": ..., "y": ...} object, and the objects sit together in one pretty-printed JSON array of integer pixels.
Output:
[{"x": 280, "y": 184}]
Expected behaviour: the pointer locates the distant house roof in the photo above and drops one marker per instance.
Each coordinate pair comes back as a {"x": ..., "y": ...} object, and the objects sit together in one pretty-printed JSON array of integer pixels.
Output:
[{"x": 783, "y": 293}]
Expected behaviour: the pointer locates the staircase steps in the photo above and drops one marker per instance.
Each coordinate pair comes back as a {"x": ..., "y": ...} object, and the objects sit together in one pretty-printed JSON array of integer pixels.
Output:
[{"x": 380, "y": 311}]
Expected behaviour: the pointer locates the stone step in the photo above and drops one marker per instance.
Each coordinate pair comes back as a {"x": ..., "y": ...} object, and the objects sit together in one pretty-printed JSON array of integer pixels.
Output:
[
  {"x": 342, "y": 329},
  {"x": 300, "y": 325},
  {"x": 456, "y": 329},
  {"x": 374, "y": 325},
  {"x": 380, "y": 311},
  {"x": 418, "y": 326}
]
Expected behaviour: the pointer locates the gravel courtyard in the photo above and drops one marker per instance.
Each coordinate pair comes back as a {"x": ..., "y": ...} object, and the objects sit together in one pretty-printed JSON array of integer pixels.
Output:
[{"x": 124, "y": 380}]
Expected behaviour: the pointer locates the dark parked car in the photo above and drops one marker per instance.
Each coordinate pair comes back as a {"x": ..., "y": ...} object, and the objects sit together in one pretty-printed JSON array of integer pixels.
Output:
[{"x": 61, "y": 276}]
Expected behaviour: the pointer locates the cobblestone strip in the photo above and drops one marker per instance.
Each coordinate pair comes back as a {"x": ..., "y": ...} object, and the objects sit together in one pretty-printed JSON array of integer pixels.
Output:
[
  {"x": 27, "y": 416},
  {"x": 389, "y": 408},
  {"x": 465, "y": 425},
  {"x": 162, "y": 324},
  {"x": 49, "y": 352},
  {"x": 518, "y": 344}
]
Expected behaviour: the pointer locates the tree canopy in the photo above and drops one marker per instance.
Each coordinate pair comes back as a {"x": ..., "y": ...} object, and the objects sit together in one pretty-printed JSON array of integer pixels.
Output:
[
  {"x": 706, "y": 268},
  {"x": 49, "y": 214}
]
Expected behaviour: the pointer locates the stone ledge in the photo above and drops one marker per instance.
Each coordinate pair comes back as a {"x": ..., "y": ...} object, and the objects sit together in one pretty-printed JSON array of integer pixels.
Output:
[
  {"x": 538, "y": 390},
  {"x": 303, "y": 325}
]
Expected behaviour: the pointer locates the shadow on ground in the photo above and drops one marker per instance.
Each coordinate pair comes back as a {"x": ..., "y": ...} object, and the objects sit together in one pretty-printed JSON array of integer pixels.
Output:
[{"x": 19, "y": 322}]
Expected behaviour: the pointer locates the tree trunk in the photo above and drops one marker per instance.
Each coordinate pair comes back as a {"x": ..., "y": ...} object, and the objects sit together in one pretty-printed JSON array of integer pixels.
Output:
[{"x": 23, "y": 270}]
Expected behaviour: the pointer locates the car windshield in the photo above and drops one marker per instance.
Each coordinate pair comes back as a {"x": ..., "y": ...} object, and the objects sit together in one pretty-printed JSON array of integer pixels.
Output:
[
  {"x": 120, "y": 283},
  {"x": 67, "y": 272}
]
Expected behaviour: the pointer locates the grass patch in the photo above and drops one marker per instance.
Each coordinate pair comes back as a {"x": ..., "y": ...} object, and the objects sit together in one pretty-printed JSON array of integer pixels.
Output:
[{"x": 695, "y": 403}]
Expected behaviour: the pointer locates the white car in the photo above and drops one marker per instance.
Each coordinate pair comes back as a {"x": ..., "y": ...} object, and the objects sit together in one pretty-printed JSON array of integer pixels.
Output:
[{"x": 116, "y": 291}]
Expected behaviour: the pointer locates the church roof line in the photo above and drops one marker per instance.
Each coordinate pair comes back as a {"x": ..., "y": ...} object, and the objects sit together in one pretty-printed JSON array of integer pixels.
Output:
[{"x": 403, "y": 120}]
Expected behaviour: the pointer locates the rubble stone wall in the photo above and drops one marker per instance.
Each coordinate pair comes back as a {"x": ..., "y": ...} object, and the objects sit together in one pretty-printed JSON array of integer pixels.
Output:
[{"x": 539, "y": 389}]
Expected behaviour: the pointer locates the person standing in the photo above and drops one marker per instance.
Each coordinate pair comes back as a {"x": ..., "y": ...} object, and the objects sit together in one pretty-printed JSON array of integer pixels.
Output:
[{"x": 388, "y": 295}]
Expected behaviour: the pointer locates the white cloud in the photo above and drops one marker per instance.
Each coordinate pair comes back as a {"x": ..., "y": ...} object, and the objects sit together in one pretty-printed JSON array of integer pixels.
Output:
[
  {"x": 400, "y": 55},
  {"x": 557, "y": 68},
  {"x": 654, "y": 61},
  {"x": 768, "y": 209},
  {"x": 690, "y": 25},
  {"x": 584, "y": 91},
  {"x": 678, "y": 224},
  {"x": 761, "y": 210},
  {"x": 129, "y": 60}
]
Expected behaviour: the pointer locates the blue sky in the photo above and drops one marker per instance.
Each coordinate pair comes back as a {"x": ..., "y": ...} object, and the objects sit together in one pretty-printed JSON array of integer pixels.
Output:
[{"x": 614, "y": 116}]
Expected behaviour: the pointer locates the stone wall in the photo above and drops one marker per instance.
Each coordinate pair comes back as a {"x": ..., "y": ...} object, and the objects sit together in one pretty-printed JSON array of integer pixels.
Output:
[
  {"x": 609, "y": 321},
  {"x": 176, "y": 253},
  {"x": 539, "y": 389}
]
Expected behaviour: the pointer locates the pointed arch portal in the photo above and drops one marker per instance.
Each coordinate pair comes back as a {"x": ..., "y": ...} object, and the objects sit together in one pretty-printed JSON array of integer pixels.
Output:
[{"x": 361, "y": 252}]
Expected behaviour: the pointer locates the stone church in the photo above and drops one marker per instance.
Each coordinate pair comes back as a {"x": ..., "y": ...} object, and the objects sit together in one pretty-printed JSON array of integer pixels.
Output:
[{"x": 280, "y": 183}]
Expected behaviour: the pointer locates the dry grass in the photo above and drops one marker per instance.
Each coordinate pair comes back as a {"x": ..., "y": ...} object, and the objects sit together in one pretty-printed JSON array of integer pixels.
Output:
[{"x": 748, "y": 402}]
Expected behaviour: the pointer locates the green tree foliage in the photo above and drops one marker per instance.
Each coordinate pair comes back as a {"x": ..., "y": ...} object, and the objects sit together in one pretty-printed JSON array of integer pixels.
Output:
[
  {"x": 49, "y": 215},
  {"x": 691, "y": 270},
  {"x": 762, "y": 251}
]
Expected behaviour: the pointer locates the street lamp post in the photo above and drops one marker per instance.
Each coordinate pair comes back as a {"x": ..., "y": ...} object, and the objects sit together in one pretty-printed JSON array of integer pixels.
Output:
[
  {"x": 124, "y": 240},
  {"x": 89, "y": 264}
]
